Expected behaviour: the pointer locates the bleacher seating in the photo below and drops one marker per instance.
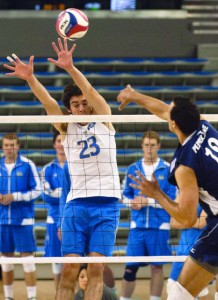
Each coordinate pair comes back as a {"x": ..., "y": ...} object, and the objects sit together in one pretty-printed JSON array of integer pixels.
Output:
[{"x": 161, "y": 77}]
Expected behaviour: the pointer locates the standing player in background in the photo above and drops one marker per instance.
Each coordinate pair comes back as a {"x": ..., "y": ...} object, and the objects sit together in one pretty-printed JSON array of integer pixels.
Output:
[
  {"x": 19, "y": 187},
  {"x": 91, "y": 214},
  {"x": 194, "y": 169},
  {"x": 52, "y": 177},
  {"x": 188, "y": 237},
  {"x": 150, "y": 224}
]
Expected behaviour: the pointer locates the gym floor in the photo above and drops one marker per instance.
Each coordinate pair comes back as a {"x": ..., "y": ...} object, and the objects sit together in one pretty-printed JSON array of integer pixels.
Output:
[{"x": 45, "y": 290}]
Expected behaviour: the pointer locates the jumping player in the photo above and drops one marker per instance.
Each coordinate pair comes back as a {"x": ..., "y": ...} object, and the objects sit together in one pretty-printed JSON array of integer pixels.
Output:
[
  {"x": 91, "y": 214},
  {"x": 194, "y": 169}
]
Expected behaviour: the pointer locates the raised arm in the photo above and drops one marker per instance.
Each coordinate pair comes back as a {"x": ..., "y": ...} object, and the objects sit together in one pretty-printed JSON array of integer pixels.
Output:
[
  {"x": 25, "y": 72},
  {"x": 153, "y": 105},
  {"x": 65, "y": 62}
]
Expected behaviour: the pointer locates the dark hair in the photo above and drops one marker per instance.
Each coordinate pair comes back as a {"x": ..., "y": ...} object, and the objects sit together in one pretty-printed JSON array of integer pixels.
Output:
[
  {"x": 82, "y": 267},
  {"x": 70, "y": 90},
  {"x": 186, "y": 114},
  {"x": 55, "y": 135},
  {"x": 151, "y": 135}
]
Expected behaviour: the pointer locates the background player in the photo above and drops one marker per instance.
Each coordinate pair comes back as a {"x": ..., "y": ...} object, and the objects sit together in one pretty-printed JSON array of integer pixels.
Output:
[
  {"x": 19, "y": 187},
  {"x": 150, "y": 224},
  {"x": 52, "y": 177}
]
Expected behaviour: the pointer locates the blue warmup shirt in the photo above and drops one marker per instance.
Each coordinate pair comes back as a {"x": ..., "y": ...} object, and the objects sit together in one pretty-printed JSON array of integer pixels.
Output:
[{"x": 150, "y": 216}]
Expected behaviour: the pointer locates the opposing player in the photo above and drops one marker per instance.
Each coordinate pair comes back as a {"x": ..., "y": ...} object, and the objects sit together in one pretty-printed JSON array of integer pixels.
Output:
[
  {"x": 52, "y": 177},
  {"x": 91, "y": 214},
  {"x": 194, "y": 169}
]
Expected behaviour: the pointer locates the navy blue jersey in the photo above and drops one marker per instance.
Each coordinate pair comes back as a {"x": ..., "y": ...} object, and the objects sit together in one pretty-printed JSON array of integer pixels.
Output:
[{"x": 200, "y": 153}]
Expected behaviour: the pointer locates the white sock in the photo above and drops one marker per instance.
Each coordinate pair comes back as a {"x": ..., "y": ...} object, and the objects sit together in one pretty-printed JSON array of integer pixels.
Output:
[
  {"x": 8, "y": 291},
  {"x": 155, "y": 298},
  {"x": 178, "y": 292},
  {"x": 216, "y": 296},
  {"x": 31, "y": 291},
  {"x": 124, "y": 298}
]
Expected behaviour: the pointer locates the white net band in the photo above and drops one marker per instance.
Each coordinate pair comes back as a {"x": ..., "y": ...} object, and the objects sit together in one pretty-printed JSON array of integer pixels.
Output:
[
  {"x": 92, "y": 259},
  {"x": 91, "y": 118}
]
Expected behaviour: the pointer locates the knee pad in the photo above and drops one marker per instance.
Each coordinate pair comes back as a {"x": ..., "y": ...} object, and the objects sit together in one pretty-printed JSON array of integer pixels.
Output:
[
  {"x": 203, "y": 293},
  {"x": 29, "y": 267},
  {"x": 178, "y": 292},
  {"x": 7, "y": 267},
  {"x": 130, "y": 273},
  {"x": 170, "y": 283},
  {"x": 56, "y": 268}
]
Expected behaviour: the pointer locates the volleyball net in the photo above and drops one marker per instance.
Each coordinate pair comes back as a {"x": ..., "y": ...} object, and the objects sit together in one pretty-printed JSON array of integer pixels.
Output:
[{"x": 36, "y": 133}]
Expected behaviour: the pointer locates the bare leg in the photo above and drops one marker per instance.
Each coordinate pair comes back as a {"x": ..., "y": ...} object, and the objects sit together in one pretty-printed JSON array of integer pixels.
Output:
[
  {"x": 57, "y": 278},
  {"x": 68, "y": 279},
  {"x": 157, "y": 280},
  {"x": 108, "y": 277},
  {"x": 194, "y": 278},
  {"x": 8, "y": 277},
  {"x": 94, "y": 289},
  {"x": 29, "y": 275},
  {"x": 127, "y": 288}
]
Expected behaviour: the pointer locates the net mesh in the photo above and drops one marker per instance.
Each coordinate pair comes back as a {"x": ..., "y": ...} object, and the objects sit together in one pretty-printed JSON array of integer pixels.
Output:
[{"x": 36, "y": 133}]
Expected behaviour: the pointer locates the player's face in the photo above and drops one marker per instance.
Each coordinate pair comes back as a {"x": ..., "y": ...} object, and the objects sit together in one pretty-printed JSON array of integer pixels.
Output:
[
  {"x": 150, "y": 149},
  {"x": 58, "y": 146},
  {"x": 79, "y": 106},
  {"x": 10, "y": 149},
  {"x": 83, "y": 279}
]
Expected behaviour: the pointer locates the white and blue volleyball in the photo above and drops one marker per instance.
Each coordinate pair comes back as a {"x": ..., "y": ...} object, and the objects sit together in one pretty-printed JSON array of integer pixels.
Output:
[{"x": 72, "y": 24}]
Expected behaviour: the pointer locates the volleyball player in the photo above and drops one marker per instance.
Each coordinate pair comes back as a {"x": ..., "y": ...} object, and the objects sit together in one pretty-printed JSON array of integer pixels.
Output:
[
  {"x": 91, "y": 214},
  {"x": 150, "y": 224},
  {"x": 52, "y": 177},
  {"x": 194, "y": 169},
  {"x": 19, "y": 187}
]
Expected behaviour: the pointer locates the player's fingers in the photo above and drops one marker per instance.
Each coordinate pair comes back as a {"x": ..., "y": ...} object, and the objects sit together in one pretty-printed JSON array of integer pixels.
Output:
[
  {"x": 52, "y": 61},
  {"x": 60, "y": 44},
  {"x": 122, "y": 105},
  {"x": 65, "y": 45},
  {"x": 55, "y": 47},
  {"x": 134, "y": 179},
  {"x": 16, "y": 58},
  {"x": 11, "y": 59},
  {"x": 140, "y": 175},
  {"x": 73, "y": 48},
  {"x": 135, "y": 186},
  {"x": 9, "y": 67},
  {"x": 31, "y": 60}
]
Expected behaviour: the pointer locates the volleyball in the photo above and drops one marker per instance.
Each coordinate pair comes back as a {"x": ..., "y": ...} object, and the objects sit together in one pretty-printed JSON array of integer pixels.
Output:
[{"x": 72, "y": 24}]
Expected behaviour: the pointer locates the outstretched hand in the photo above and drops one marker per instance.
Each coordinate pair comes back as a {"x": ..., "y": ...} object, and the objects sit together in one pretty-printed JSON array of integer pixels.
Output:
[
  {"x": 20, "y": 69},
  {"x": 64, "y": 60},
  {"x": 148, "y": 188},
  {"x": 124, "y": 97}
]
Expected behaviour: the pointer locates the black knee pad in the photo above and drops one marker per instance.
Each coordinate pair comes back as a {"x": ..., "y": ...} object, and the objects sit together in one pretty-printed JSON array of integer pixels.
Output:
[{"x": 130, "y": 273}]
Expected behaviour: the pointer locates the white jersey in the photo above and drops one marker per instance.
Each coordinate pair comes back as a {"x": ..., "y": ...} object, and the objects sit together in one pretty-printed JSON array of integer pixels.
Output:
[{"x": 91, "y": 156}]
